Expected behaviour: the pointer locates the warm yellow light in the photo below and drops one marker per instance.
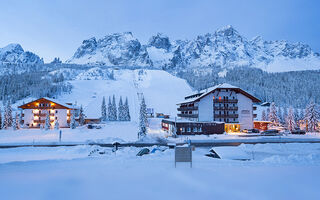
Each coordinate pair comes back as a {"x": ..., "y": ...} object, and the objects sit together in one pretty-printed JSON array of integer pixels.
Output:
[
  {"x": 68, "y": 111},
  {"x": 52, "y": 111},
  {"x": 36, "y": 117},
  {"x": 37, "y": 104}
]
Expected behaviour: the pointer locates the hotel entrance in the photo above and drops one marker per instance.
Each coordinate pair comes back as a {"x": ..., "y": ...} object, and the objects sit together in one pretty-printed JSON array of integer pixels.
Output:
[{"x": 232, "y": 128}]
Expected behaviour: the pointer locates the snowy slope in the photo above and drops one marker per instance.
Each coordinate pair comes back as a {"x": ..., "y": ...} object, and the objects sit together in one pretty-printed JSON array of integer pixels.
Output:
[{"x": 161, "y": 91}]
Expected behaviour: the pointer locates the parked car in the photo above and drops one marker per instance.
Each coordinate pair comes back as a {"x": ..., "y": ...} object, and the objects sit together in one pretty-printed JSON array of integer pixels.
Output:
[
  {"x": 251, "y": 130},
  {"x": 270, "y": 132},
  {"x": 300, "y": 132}
]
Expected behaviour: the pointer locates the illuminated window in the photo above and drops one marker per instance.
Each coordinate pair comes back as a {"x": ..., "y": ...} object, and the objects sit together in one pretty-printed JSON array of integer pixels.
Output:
[
  {"x": 182, "y": 129},
  {"x": 220, "y": 98},
  {"x": 189, "y": 129}
]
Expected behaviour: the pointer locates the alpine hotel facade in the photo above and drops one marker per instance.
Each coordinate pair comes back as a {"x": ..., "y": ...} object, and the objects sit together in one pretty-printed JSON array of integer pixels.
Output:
[
  {"x": 223, "y": 104},
  {"x": 35, "y": 113}
]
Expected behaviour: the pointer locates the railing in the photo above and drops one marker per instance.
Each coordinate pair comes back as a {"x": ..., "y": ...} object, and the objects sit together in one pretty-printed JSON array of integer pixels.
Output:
[
  {"x": 188, "y": 115},
  {"x": 225, "y": 100},
  {"x": 42, "y": 121},
  {"x": 226, "y": 116},
  {"x": 226, "y": 108},
  {"x": 43, "y": 114},
  {"x": 187, "y": 108}
]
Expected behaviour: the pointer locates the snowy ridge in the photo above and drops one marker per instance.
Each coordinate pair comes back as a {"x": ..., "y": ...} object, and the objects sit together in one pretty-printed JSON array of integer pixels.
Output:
[
  {"x": 225, "y": 48},
  {"x": 14, "y": 54}
]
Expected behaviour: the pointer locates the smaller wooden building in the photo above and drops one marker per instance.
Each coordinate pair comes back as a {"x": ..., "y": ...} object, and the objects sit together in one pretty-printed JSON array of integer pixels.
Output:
[
  {"x": 261, "y": 125},
  {"x": 184, "y": 127}
]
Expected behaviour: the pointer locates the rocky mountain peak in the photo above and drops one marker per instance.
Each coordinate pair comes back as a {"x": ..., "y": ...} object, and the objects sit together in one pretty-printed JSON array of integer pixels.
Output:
[{"x": 160, "y": 41}]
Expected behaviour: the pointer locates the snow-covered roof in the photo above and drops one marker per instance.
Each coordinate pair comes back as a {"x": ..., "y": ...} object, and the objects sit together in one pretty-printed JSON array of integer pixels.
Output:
[
  {"x": 207, "y": 91},
  {"x": 52, "y": 100},
  {"x": 182, "y": 120}
]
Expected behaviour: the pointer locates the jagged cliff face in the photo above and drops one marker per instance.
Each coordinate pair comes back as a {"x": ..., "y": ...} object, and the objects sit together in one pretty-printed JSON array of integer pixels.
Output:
[
  {"x": 116, "y": 50},
  {"x": 222, "y": 49},
  {"x": 14, "y": 53}
]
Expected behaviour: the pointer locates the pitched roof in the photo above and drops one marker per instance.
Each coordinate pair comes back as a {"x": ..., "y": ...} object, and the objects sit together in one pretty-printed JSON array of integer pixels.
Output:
[
  {"x": 49, "y": 99},
  {"x": 207, "y": 91}
]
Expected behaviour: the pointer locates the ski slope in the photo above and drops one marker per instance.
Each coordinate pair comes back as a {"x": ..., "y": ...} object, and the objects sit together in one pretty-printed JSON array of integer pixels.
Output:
[{"x": 161, "y": 91}]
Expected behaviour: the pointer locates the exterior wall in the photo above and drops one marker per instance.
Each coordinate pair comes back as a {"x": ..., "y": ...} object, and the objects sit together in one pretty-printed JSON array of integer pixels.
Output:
[
  {"x": 205, "y": 109},
  {"x": 231, "y": 95},
  {"x": 245, "y": 112},
  {"x": 193, "y": 128},
  {"x": 28, "y": 117},
  {"x": 61, "y": 115}
]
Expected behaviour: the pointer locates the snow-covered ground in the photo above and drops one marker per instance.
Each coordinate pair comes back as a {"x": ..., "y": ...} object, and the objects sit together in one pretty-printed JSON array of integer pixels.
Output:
[{"x": 272, "y": 171}]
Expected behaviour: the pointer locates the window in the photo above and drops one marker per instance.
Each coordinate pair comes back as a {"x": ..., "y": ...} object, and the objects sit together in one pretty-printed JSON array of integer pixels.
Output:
[
  {"x": 220, "y": 98},
  {"x": 56, "y": 111},
  {"x": 195, "y": 129},
  {"x": 188, "y": 129},
  {"x": 200, "y": 129},
  {"x": 56, "y": 118},
  {"x": 182, "y": 129}
]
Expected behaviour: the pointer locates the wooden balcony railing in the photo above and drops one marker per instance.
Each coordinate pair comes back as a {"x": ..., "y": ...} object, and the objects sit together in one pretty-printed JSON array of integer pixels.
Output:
[
  {"x": 187, "y": 108},
  {"x": 225, "y": 100},
  {"x": 226, "y": 116},
  {"x": 188, "y": 115},
  {"x": 226, "y": 108}
]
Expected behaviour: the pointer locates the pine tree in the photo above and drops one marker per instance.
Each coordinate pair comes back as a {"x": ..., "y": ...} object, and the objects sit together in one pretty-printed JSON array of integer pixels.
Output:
[
  {"x": 8, "y": 116},
  {"x": 142, "y": 119},
  {"x": 312, "y": 116},
  {"x": 290, "y": 120},
  {"x": 280, "y": 116},
  {"x": 273, "y": 114},
  {"x": 1, "y": 126},
  {"x": 263, "y": 116},
  {"x": 73, "y": 120},
  {"x": 114, "y": 109},
  {"x": 126, "y": 110},
  {"x": 110, "y": 110},
  {"x": 121, "y": 116},
  {"x": 103, "y": 110},
  {"x": 47, "y": 122},
  {"x": 15, "y": 122},
  {"x": 20, "y": 118},
  {"x": 81, "y": 116},
  {"x": 56, "y": 125}
]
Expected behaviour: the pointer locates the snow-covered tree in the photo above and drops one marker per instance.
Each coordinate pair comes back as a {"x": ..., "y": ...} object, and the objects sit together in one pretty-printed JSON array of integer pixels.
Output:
[
  {"x": 142, "y": 119},
  {"x": 8, "y": 116},
  {"x": 110, "y": 110},
  {"x": 263, "y": 116},
  {"x": 81, "y": 116},
  {"x": 114, "y": 109},
  {"x": 103, "y": 110},
  {"x": 290, "y": 120},
  {"x": 273, "y": 114},
  {"x": 121, "y": 114},
  {"x": 73, "y": 120},
  {"x": 56, "y": 125},
  {"x": 126, "y": 110},
  {"x": 280, "y": 116},
  {"x": 15, "y": 122},
  {"x": 47, "y": 122},
  {"x": 312, "y": 116},
  {"x": 1, "y": 125},
  {"x": 20, "y": 118}
]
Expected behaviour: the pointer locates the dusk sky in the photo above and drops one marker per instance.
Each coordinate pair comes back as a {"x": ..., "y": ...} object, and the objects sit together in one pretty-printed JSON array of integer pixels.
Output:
[{"x": 57, "y": 28}]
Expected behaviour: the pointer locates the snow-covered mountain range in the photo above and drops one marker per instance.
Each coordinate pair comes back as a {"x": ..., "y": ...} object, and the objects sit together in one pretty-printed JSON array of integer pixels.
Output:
[
  {"x": 14, "y": 54},
  {"x": 224, "y": 48}
]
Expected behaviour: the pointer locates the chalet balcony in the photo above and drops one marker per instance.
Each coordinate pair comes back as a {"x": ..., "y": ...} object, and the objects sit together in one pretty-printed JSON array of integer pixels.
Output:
[
  {"x": 226, "y": 116},
  {"x": 42, "y": 121},
  {"x": 188, "y": 108},
  {"x": 226, "y": 108},
  {"x": 43, "y": 114},
  {"x": 225, "y": 100},
  {"x": 188, "y": 115}
]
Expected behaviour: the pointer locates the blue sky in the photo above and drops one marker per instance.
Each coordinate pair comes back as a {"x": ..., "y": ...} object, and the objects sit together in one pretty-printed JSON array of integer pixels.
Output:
[{"x": 55, "y": 28}]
